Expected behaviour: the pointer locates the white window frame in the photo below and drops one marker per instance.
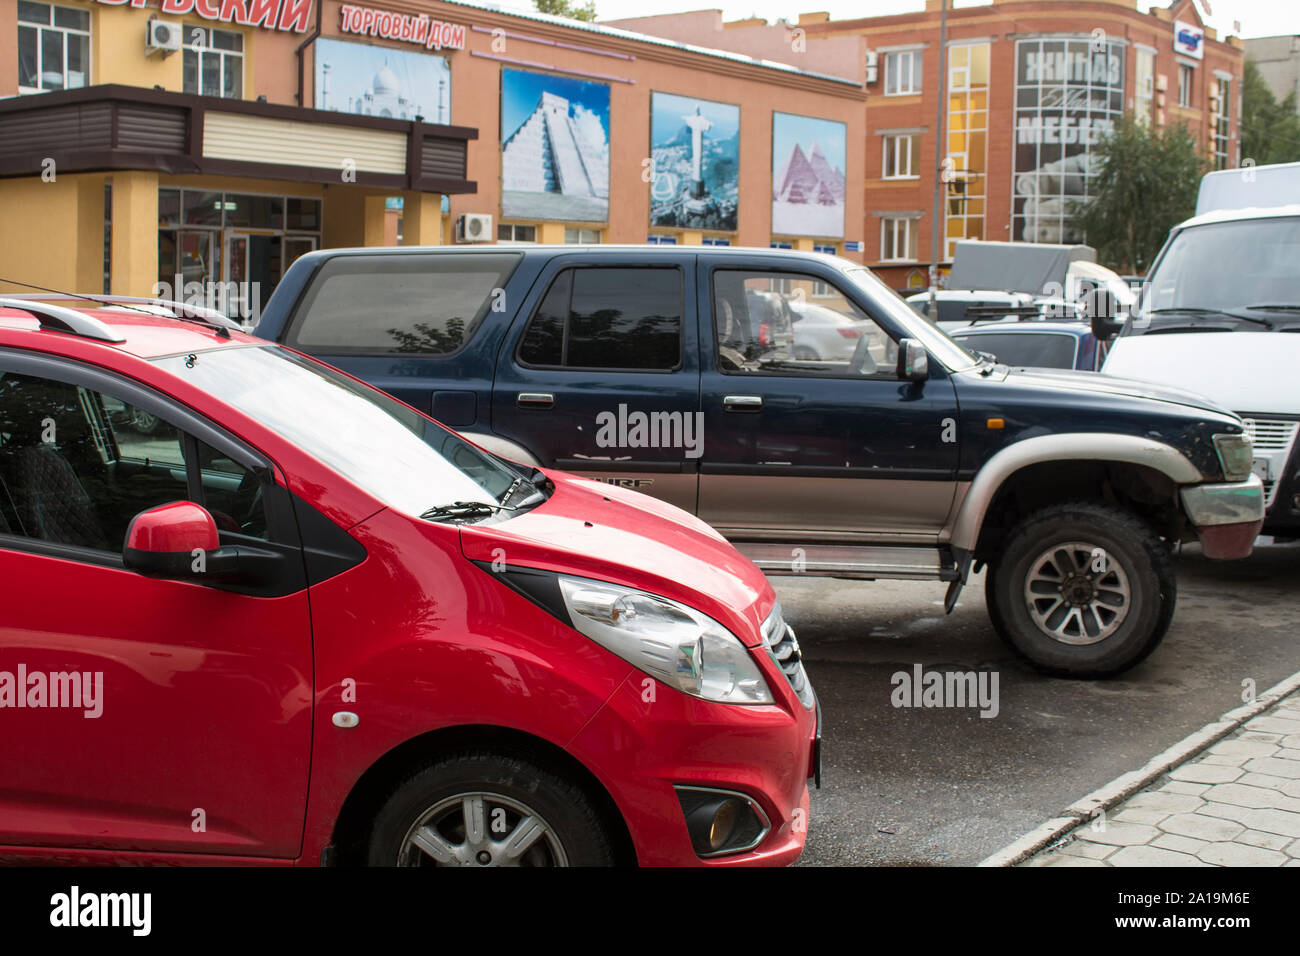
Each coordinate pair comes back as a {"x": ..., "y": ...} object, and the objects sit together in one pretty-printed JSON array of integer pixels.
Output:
[
  {"x": 893, "y": 64},
  {"x": 66, "y": 32},
  {"x": 1221, "y": 130},
  {"x": 890, "y": 226},
  {"x": 661, "y": 239},
  {"x": 899, "y": 144},
  {"x": 1186, "y": 81},
  {"x": 514, "y": 227},
  {"x": 192, "y": 34},
  {"x": 582, "y": 236}
]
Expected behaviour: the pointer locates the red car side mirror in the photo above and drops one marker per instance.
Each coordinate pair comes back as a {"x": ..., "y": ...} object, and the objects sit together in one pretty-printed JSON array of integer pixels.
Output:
[{"x": 172, "y": 541}]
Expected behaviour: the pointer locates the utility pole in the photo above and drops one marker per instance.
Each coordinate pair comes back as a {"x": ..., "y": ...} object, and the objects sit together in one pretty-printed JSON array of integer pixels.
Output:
[{"x": 940, "y": 151}]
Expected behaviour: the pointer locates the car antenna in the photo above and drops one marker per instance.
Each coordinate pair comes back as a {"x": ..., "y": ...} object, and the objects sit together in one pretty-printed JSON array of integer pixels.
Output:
[{"x": 119, "y": 302}]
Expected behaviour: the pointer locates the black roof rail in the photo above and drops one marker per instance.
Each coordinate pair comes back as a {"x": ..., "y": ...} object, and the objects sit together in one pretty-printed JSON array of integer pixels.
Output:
[
  {"x": 63, "y": 319},
  {"x": 178, "y": 310}
]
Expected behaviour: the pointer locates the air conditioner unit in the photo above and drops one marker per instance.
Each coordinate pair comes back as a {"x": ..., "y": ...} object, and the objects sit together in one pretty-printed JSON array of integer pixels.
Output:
[
  {"x": 163, "y": 36},
  {"x": 872, "y": 69},
  {"x": 474, "y": 227}
]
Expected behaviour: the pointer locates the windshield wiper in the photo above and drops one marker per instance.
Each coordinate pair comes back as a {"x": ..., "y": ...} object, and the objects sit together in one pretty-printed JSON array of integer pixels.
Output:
[
  {"x": 1274, "y": 307},
  {"x": 463, "y": 511},
  {"x": 1196, "y": 310}
]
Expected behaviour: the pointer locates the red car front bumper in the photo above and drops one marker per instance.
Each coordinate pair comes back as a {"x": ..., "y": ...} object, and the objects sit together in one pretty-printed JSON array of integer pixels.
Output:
[{"x": 649, "y": 737}]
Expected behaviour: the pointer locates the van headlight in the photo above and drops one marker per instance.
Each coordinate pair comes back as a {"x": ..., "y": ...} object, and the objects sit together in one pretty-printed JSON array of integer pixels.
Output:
[
  {"x": 667, "y": 640},
  {"x": 1236, "y": 455}
]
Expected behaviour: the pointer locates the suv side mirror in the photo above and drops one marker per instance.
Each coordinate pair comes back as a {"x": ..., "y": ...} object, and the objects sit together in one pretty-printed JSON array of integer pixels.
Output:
[
  {"x": 1101, "y": 308},
  {"x": 178, "y": 540},
  {"x": 913, "y": 361}
]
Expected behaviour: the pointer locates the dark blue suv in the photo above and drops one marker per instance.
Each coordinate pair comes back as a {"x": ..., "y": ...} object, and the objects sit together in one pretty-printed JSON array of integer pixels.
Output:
[{"x": 675, "y": 371}]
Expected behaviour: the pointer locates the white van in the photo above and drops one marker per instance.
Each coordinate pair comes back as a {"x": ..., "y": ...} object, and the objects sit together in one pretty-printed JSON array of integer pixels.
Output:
[{"x": 1220, "y": 315}]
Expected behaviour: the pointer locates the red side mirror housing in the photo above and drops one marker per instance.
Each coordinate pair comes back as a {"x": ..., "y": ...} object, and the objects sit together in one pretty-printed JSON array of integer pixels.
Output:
[{"x": 170, "y": 540}]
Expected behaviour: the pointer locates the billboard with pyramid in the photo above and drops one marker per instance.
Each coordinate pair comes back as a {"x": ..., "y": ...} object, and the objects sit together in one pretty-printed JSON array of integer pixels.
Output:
[
  {"x": 808, "y": 161},
  {"x": 554, "y": 148},
  {"x": 695, "y": 147}
]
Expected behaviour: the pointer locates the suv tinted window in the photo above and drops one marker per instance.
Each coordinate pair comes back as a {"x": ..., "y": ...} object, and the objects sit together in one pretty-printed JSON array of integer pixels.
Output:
[
  {"x": 608, "y": 318},
  {"x": 399, "y": 303},
  {"x": 791, "y": 323}
]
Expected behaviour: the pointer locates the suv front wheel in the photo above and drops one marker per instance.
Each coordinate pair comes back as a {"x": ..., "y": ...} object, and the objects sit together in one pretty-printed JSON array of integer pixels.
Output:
[{"x": 1082, "y": 590}]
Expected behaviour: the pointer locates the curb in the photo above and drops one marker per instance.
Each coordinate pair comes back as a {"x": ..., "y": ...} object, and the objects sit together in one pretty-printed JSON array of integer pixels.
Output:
[{"x": 1125, "y": 785}]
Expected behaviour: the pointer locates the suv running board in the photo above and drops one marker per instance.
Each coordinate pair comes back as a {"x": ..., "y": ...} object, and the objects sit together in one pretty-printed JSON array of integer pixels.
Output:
[{"x": 852, "y": 561}]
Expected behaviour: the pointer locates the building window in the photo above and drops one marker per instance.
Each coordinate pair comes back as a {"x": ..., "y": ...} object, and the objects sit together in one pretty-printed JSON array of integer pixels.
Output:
[
  {"x": 780, "y": 245},
  {"x": 902, "y": 159},
  {"x": 574, "y": 235},
  {"x": 715, "y": 241},
  {"x": 1223, "y": 89},
  {"x": 53, "y": 47},
  {"x": 903, "y": 73},
  {"x": 1186, "y": 77},
  {"x": 213, "y": 63},
  {"x": 968, "y": 124},
  {"x": 1144, "y": 85},
  {"x": 515, "y": 232},
  {"x": 661, "y": 240},
  {"x": 898, "y": 239}
]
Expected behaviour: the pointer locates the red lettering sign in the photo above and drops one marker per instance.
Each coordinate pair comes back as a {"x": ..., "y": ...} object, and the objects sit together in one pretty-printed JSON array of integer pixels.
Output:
[{"x": 291, "y": 16}]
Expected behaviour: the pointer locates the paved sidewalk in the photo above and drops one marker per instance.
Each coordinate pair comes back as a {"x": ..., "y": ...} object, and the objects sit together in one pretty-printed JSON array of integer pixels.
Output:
[{"x": 1236, "y": 804}]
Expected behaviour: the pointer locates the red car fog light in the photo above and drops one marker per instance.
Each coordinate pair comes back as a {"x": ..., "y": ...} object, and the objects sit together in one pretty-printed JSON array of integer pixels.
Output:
[{"x": 721, "y": 821}]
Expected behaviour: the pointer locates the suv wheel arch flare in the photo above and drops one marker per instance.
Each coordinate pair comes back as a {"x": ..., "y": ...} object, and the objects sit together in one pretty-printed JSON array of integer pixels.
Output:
[{"x": 1092, "y": 446}]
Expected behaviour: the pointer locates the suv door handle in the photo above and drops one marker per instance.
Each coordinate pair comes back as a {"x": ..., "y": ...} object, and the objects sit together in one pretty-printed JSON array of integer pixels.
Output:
[
  {"x": 535, "y": 400},
  {"x": 742, "y": 403}
]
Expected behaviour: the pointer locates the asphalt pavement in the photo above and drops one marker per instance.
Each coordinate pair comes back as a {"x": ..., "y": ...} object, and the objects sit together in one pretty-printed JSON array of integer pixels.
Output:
[{"x": 923, "y": 786}]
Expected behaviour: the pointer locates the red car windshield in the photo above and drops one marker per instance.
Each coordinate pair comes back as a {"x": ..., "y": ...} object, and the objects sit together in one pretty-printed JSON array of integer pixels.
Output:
[{"x": 382, "y": 446}]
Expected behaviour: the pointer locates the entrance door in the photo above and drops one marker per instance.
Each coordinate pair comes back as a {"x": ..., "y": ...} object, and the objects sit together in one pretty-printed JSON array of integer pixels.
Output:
[{"x": 252, "y": 272}]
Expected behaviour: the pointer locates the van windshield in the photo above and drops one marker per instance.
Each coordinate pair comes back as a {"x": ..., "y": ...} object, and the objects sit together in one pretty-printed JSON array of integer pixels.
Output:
[
  {"x": 380, "y": 445},
  {"x": 1233, "y": 275}
]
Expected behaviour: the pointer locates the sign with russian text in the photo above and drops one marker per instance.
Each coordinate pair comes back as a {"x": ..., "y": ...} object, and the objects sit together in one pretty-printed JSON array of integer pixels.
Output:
[
  {"x": 421, "y": 29},
  {"x": 1069, "y": 95},
  {"x": 289, "y": 15},
  {"x": 1189, "y": 40}
]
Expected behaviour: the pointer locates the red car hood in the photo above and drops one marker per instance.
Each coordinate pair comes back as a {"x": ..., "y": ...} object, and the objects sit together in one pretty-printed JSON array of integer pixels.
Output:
[{"x": 594, "y": 530}]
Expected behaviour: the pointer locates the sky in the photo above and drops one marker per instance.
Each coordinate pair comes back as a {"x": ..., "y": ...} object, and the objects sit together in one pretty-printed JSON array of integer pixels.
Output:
[
  {"x": 1258, "y": 18},
  {"x": 521, "y": 89}
]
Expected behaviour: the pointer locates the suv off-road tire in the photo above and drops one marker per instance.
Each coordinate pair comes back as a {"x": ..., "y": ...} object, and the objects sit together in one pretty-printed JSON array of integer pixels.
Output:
[
  {"x": 567, "y": 812},
  {"x": 1134, "y": 557}
]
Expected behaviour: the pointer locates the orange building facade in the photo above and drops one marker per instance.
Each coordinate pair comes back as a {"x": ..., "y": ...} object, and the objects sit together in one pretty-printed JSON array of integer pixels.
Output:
[{"x": 1031, "y": 85}]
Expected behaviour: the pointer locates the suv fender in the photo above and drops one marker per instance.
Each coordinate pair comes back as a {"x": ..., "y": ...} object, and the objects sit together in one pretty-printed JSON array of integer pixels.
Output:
[{"x": 1090, "y": 446}]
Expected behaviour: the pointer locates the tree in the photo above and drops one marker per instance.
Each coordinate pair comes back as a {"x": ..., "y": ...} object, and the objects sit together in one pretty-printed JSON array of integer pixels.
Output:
[
  {"x": 1146, "y": 183},
  {"x": 572, "y": 9},
  {"x": 1270, "y": 131}
]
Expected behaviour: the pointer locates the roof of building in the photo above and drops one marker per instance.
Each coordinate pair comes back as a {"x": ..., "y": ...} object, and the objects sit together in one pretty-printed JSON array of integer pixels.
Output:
[{"x": 599, "y": 29}]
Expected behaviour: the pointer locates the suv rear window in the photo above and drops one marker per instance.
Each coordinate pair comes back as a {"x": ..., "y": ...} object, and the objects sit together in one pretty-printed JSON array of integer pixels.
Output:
[
  {"x": 608, "y": 318},
  {"x": 425, "y": 304}
]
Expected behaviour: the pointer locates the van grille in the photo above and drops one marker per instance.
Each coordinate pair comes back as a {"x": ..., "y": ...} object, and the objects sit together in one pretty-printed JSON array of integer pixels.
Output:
[
  {"x": 1274, "y": 438},
  {"x": 784, "y": 648}
]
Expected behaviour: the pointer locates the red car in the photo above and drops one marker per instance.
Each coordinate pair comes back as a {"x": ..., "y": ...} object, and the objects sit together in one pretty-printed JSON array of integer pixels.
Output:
[{"x": 303, "y": 623}]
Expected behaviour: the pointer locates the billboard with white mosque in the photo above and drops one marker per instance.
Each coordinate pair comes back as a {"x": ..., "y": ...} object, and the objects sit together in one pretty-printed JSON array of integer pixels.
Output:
[
  {"x": 554, "y": 147},
  {"x": 381, "y": 81},
  {"x": 695, "y": 148}
]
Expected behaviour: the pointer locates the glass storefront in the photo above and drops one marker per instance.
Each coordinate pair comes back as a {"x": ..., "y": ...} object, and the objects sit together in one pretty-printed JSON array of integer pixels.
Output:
[
  {"x": 231, "y": 249},
  {"x": 1068, "y": 94}
]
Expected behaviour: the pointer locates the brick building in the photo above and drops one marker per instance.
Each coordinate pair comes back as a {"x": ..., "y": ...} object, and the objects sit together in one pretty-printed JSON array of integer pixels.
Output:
[{"x": 1031, "y": 86}]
